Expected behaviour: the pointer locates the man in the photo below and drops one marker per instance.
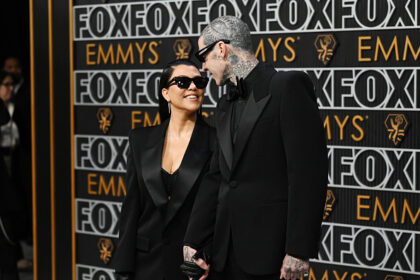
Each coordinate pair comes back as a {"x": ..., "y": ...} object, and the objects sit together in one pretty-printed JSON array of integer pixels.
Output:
[
  {"x": 261, "y": 202},
  {"x": 9, "y": 210},
  {"x": 22, "y": 154}
]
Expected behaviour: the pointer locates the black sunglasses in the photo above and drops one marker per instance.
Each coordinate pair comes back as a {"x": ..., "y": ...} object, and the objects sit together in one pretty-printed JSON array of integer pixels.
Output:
[
  {"x": 184, "y": 82},
  {"x": 200, "y": 53}
]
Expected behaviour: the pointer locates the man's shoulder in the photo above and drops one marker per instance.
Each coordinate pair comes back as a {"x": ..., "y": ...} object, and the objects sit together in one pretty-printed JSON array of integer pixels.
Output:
[
  {"x": 291, "y": 80},
  {"x": 290, "y": 76}
]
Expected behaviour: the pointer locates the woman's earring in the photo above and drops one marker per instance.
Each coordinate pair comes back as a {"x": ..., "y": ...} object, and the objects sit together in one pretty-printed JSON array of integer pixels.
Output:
[{"x": 169, "y": 107}]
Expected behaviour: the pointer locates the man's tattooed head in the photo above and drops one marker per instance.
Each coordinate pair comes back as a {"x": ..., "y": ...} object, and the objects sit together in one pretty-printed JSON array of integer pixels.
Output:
[{"x": 228, "y": 28}]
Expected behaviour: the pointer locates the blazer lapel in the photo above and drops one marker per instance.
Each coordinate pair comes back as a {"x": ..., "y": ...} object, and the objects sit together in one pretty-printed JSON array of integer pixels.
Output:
[
  {"x": 192, "y": 164},
  {"x": 151, "y": 159},
  {"x": 223, "y": 119},
  {"x": 250, "y": 115}
]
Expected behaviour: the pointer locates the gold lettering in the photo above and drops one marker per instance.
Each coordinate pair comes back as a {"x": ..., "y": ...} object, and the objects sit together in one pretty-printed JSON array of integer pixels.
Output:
[
  {"x": 311, "y": 274},
  {"x": 358, "y": 127},
  {"x": 362, "y": 206},
  {"x": 407, "y": 209},
  {"x": 409, "y": 45},
  {"x": 327, "y": 125},
  {"x": 289, "y": 47},
  {"x": 275, "y": 47},
  {"x": 90, "y": 53},
  {"x": 341, "y": 125},
  {"x": 354, "y": 275},
  {"x": 141, "y": 49},
  {"x": 125, "y": 56},
  {"x": 261, "y": 48},
  {"x": 148, "y": 122},
  {"x": 135, "y": 120},
  {"x": 105, "y": 187},
  {"x": 103, "y": 57},
  {"x": 364, "y": 48},
  {"x": 392, "y": 207},
  {"x": 121, "y": 186},
  {"x": 394, "y": 46},
  {"x": 154, "y": 52},
  {"x": 338, "y": 276},
  {"x": 325, "y": 276},
  {"x": 92, "y": 182}
]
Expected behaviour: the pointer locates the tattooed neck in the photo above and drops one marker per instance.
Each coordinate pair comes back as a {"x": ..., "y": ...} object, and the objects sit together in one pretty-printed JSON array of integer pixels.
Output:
[{"x": 241, "y": 64}]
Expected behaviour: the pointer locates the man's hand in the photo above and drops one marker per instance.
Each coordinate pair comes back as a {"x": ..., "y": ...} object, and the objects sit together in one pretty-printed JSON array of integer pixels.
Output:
[
  {"x": 294, "y": 268},
  {"x": 194, "y": 268}
]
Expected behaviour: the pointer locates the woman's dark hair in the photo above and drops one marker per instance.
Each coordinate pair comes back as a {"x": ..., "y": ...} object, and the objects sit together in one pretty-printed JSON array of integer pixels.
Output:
[
  {"x": 164, "y": 83},
  {"x": 4, "y": 74}
]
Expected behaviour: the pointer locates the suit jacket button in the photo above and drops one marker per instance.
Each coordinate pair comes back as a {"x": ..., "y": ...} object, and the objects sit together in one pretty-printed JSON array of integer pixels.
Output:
[{"x": 233, "y": 184}]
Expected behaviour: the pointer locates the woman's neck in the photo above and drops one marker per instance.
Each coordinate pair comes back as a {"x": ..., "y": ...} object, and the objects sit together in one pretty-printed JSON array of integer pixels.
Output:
[{"x": 181, "y": 123}]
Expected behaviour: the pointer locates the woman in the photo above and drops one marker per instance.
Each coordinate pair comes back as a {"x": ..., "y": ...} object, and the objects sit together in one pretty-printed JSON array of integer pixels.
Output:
[
  {"x": 9, "y": 203},
  {"x": 165, "y": 166}
]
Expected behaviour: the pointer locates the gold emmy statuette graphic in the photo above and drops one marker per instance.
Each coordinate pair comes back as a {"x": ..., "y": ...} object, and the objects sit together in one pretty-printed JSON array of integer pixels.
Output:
[
  {"x": 329, "y": 203},
  {"x": 106, "y": 247},
  {"x": 104, "y": 116},
  {"x": 394, "y": 277},
  {"x": 325, "y": 46},
  {"x": 182, "y": 48},
  {"x": 396, "y": 124}
]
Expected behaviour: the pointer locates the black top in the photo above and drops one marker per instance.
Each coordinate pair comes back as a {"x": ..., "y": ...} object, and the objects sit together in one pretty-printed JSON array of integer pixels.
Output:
[{"x": 168, "y": 180}]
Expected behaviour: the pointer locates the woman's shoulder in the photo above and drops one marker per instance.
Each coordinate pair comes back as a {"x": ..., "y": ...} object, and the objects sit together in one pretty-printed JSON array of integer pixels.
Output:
[{"x": 141, "y": 134}]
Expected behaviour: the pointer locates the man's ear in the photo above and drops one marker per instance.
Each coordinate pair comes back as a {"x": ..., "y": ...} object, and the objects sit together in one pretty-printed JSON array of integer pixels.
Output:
[{"x": 223, "y": 49}]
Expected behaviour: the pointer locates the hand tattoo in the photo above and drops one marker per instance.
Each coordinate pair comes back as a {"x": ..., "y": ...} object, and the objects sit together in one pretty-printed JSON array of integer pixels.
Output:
[
  {"x": 294, "y": 268},
  {"x": 188, "y": 253}
]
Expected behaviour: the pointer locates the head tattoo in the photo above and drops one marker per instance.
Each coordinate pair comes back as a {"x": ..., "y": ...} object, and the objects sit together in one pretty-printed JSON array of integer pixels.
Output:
[
  {"x": 241, "y": 59},
  {"x": 230, "y": 28}
]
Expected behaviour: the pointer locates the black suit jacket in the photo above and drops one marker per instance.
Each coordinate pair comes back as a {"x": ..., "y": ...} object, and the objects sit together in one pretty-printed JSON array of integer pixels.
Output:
[
  {"x": 273, "y": 179},
  {"x": 9, "y": 209},
  {"x": 152, "y": 227}
]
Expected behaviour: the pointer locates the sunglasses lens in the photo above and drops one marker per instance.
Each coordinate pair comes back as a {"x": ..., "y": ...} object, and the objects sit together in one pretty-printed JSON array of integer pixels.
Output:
[
  {"x": 200, "y": 82},
  {"x": 183, "y": 82}
]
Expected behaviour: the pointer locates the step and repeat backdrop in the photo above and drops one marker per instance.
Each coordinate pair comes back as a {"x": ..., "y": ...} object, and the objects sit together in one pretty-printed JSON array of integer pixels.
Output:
[{"x": 363, "y": 58}]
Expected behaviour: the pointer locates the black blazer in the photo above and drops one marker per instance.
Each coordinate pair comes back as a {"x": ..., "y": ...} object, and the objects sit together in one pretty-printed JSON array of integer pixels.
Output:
[
  {"x": 273, "y": 179},
  {"x": 151, "y": 227},
  {"x": 9, "y": 209}
]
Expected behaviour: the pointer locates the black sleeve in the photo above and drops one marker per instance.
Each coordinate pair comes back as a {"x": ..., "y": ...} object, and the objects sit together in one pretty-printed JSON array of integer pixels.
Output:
[
  {"x": 203, "y": 215},
  {"x": 307, "y": 164},
  {"x": 125, "y": 254},
  {"x": 4, "y": 114}
]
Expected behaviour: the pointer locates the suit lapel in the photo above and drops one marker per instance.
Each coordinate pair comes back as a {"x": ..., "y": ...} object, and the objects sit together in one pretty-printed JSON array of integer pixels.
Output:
[
  {"x": 250, "y": 115},
  {"x": 258, "y": 99},
  {"x": 193, "y": 162},
  {"x": 151, "y": 159},
  {"x": 224, "y": 136}
]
